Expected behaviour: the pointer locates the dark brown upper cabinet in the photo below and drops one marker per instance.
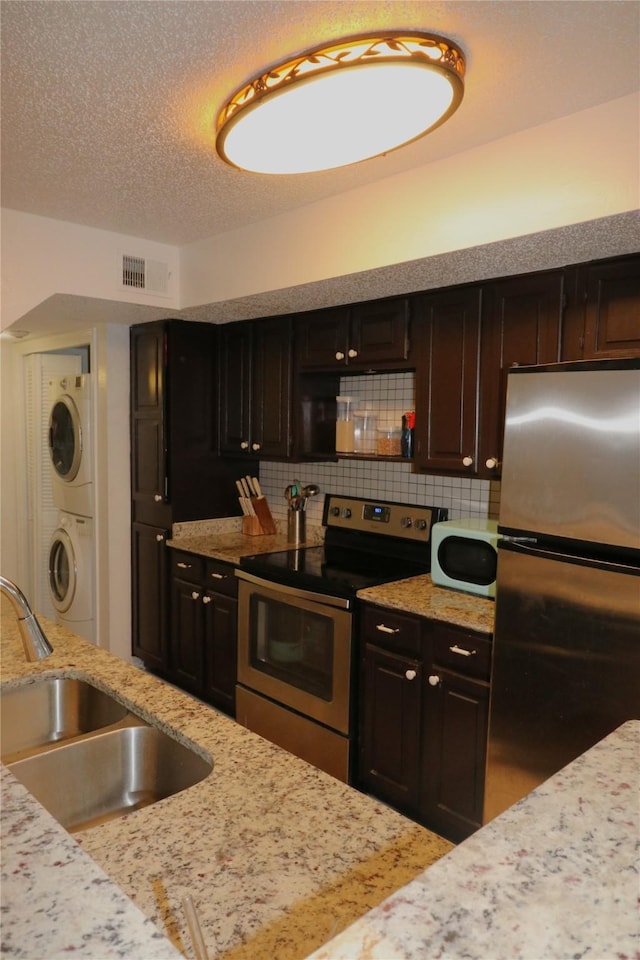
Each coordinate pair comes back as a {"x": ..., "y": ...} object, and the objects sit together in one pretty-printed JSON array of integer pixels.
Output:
[
  {"x": 255, "y": 388},
  {"x": 364, "y": 336},
  {"x": 176, "y": 473},
  {"x": 521, "y": 325},
  {"x": 466, "y": 340},
  {"x": 603, "y": 310},
  {"x": 447, "y": 342}
]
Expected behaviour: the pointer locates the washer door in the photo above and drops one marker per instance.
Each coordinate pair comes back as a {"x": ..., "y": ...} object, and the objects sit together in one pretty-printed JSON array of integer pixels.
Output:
[
  {"x": 65, "y": 438},
  {"x": 63, "y": 573}
]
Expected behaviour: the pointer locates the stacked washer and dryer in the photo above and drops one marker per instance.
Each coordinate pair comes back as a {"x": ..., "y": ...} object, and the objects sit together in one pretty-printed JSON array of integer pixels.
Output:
[{"x": 72, "y": 550}]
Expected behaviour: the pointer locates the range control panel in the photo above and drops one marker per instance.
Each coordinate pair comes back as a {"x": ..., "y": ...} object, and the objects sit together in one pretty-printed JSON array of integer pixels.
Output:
[{"x": 409, "y": 521}]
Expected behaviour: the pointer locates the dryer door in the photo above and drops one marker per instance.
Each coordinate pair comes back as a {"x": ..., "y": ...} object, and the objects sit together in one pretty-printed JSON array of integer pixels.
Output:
[
  {"x": 65, "y": 438},
  {"x": 63, "y": 571}
]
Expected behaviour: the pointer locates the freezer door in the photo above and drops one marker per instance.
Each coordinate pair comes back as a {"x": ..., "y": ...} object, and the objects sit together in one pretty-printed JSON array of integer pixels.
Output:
[
  {"x": 566, "y": 665},
  {"x": 572, "y": 453}
]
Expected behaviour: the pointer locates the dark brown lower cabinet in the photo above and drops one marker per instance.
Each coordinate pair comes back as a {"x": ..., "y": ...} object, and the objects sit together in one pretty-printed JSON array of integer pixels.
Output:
[
  {"x": 455, "y": 746},
  {"x": 423, "y": 718},
  {"x": 220, "y": 651},
  {"x": 392, "y": 712},
  {"x": 149, "y": 595},
  {"x": 202, "y": 645}
]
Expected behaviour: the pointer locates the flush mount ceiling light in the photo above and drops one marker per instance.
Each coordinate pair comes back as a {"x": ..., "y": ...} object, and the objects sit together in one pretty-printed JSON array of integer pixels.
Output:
[{"x": 343, "y": 103}]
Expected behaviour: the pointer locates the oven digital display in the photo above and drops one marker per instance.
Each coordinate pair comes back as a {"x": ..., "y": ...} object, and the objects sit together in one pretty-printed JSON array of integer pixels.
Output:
[{"x": 373, "y": 512}]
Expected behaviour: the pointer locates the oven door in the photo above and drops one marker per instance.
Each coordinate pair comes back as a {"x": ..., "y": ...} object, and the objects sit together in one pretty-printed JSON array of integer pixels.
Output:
[{"x": 294, "y": 647}]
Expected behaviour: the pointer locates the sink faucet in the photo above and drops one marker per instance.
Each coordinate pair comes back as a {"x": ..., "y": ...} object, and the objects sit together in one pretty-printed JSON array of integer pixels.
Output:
[{"x": 36, "y": 645}]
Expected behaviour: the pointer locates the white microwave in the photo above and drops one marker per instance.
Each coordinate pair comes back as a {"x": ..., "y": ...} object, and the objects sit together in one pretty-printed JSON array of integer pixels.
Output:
[{"x": 464, "y": 555}]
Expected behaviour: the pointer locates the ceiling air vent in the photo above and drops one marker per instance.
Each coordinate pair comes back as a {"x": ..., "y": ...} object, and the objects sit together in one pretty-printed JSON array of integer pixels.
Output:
[{"x": 147, "y": 276}]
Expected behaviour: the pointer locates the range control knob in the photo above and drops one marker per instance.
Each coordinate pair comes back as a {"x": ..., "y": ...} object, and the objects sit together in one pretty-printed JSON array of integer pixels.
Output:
[
  {"x": 335, "y": 511},
  {"x": 406, "y": 522},
  {"x": 346, "y": 513},
  {"x": 420, "y": 524}
]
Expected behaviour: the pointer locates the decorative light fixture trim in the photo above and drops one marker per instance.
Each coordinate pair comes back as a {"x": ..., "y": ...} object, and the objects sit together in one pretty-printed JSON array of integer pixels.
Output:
[{"x": 358, "y": 73}]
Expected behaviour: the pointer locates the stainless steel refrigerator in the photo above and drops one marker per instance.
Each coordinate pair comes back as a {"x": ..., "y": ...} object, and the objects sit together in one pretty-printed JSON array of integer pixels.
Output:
[{"x": 566, "y": 658}]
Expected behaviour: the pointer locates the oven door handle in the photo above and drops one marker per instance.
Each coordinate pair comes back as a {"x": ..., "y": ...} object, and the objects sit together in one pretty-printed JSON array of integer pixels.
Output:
[{"x": 342, "y": 603}]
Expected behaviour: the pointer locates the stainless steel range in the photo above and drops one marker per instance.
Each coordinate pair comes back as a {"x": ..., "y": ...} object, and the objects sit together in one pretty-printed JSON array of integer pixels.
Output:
[{"x": 296, "y": 661}]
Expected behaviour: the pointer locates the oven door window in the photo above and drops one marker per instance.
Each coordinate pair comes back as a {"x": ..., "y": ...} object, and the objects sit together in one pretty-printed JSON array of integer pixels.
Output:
[
  {"x": 296, "y": 651},
  {"x": 293, "y": 645}
]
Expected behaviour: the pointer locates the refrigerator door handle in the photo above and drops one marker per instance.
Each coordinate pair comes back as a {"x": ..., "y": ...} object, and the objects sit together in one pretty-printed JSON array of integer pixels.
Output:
[{"x": 524, "y": 546}]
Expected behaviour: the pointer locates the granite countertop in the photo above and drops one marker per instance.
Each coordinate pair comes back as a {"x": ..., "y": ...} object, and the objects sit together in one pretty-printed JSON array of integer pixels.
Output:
[
  {"x": 277, "y": 855},
  {"x": 418, "y": 595},
  {"x": 555, "y": 876},
  {"x": 224, "y": 540}
]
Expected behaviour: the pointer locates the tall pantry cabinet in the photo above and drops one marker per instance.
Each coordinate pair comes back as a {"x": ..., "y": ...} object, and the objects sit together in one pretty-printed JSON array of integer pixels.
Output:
[{"x": 176, "y": 473}]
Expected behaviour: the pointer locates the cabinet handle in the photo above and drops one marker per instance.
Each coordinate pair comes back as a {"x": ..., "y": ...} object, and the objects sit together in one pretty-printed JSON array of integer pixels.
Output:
[
  {"x": 184, "y": 566},
  {"x": 467, "y": 461},
  {"x": 218, "y": 576},
  {"x": 381, "y": 627},
  {"x": 244, "y": 445},
  {"x": 491, "y": 463},
  {"x": 410, "y": 674},
  {"x": 206, "y": 599},
  {"x": 461, "y": 651},
  {"x": 157, "y": 497},
  {"x": 159, "y": 537},
  {"x": 434, "y": 680},
  {"x": 255, "y": 446},
  {"x": 352, "y": 354},
  {"x": 339, "y": 355}
]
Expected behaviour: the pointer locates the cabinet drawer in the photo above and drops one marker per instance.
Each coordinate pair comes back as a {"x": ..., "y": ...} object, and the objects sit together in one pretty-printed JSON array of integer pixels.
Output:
[
  {"x": 393, "y": 630},
  {"x": 221, "y": 577},
  {"x": 187, "y": 566},
  {"x": 463, "y": 652}
]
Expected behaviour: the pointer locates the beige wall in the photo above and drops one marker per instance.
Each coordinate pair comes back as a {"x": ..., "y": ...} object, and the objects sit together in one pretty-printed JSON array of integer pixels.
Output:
[{"x": 582, "y": 167}]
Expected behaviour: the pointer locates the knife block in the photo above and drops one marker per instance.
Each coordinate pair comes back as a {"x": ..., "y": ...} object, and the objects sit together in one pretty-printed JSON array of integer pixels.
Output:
[
  {"x": 263, "y": 513},
  {"x": 251, "y": 527}
]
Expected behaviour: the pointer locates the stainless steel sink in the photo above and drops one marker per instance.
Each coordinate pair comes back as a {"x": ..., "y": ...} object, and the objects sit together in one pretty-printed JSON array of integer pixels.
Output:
[
  {"x": 108, "y": 774},
  {"x": 86, "y": 757},
  {"x": 48, "y": 711}
]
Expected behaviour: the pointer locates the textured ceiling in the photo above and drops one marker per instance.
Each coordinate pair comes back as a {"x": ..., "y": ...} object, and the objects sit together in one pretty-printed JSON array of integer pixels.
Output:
[{"x": 108, "y": 107}]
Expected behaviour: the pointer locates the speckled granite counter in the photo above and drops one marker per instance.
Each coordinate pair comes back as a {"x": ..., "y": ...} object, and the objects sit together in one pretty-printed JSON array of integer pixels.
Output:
[
  {"x": 418, "y": 595},
  {"x": 224, "y": 540},
  {"x": 56, "y": 901},
  {"x": 277, "y": 855},
  {"x": 553, "y": 878}
]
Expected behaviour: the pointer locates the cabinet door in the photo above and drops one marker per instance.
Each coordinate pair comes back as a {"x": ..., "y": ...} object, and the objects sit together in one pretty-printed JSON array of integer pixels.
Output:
[
  {"x": 379, "y": 333},
  {"x": 455, "y": 737},
  {"x": 390, "y": 746},
  {"x": 612, "y": 309},
  {"x": 603, "y": 310},
  {"x": 447, "y": 340},
  {"x": 271, "y": 406},
  {"x": 521, "y": 320},
  {"x": 220, "y": 651},
  {"x": 149, "y": 599},
  {"x": 187, "y": 625},
  {"x": 149, "y": 480},
  {"x": 322, "y": 339},
  {"x": 235, "y": 373}
]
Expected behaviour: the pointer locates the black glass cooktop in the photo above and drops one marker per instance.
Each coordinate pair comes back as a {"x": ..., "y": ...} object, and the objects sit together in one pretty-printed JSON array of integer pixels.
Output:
[{"x": 332, "y": 570}]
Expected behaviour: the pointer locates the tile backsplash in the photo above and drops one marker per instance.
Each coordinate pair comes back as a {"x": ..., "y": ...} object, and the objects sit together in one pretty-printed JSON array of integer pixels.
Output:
[{"x": 392, "y": 394}]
